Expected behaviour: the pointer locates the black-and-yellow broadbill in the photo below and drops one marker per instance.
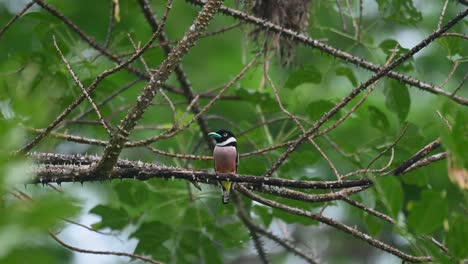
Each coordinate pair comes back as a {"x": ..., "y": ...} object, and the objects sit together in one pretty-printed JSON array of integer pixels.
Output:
[{"x": 226, "y": 157}]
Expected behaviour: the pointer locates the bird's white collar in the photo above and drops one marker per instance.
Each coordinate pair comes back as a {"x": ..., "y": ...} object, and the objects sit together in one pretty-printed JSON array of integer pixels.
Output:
[{"x": 226, "y": 142}]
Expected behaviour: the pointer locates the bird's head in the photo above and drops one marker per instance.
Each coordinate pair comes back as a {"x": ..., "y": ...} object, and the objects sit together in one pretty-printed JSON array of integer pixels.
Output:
[{"x": 224, "y": 137}]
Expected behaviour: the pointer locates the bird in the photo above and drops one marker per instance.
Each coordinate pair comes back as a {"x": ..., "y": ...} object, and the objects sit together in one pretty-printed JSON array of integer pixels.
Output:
[{"x": 226, "y": 158}]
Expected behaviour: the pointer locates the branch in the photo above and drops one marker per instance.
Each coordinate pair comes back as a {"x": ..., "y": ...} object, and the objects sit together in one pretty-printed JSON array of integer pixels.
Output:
[
  {"x": 416, "y": 157},
  {"x": 60, "y": 168}
]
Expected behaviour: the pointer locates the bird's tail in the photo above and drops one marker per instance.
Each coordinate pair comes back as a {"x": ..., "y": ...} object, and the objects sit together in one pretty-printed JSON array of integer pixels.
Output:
[{"x": 226, "y": 186}]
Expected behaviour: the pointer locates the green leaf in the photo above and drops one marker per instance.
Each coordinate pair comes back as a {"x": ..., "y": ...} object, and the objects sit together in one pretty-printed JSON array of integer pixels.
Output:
[
  {"x": 391, "y": 194},
  {"x": 308, "y": 74},
  {"x": 264, "y": 214},
  {"x": 348, "y": 73},
  {"x": 317, "y": 109},
  {"x": 417, "y": 177},
  {"x": 397, "y": 99},
  {"x": 378, "y": 118},
  {"x": 39, "y": 254},
  {"x": 457, "y": 235},
  {"x": 211, "y": 253},
  {"x": 230, "y": 235},
  {"x": 132, "y": 193},
  {"x": 374, "y": 225},
  {"x": 388, "y": 47},
  {"x": 438, "y": 255},
  {"x": 427, "y": 214},
  {"x": 452, "y": 45},
  {"x": 48, "y": 210},
  {"x": 402, "y": 11},
  {"x": 456, "y": 138},
  {"x": 112, "y": 218},
  {"x": 151, "y": 237},
  {"x": 255, "y": 97}
]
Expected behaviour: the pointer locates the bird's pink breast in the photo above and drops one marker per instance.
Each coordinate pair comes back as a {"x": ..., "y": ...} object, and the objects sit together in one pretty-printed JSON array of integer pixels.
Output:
[{"x": 225, "y": 159}]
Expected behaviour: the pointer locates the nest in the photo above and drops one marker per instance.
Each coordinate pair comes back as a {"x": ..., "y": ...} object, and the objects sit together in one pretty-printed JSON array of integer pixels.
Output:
[{"x": 289, "y": 14}]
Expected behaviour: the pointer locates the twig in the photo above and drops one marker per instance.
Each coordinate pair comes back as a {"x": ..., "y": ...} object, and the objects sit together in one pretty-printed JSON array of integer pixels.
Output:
[
  {"x": 454, "y": 68},
  {"x": 89, "y": 228},
  {"x": 107, "y": 99},
  {"x": 426, "y": 161},
  {"x": 340, "y": 11},
  {"x": 111, "y": 24},
  {"x": 353, "y": 20},
  {"x": 87, "y": 251},
  {"x": 416, "y": 157},
  {"x": 391, "y": 146},
  {"x": 359, "y": 28},
  {"x": 446, "y": 122},
  {"x": 15, "y": 17},
  {"x": 368, "y": 209},
  {"x": 83, "y": 89},
  {"x": 437, "y": 243},
  {"x": 367, "y": 170},
  {"x": 306, "y": 197},
  {"x": 458, "y": 35},
  {"x": 460, "y": 84},
  {"x": 442, "y": 14}
]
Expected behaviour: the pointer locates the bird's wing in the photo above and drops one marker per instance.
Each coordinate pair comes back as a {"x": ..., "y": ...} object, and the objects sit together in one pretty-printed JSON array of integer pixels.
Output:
[{"x": 237, "y": 159}]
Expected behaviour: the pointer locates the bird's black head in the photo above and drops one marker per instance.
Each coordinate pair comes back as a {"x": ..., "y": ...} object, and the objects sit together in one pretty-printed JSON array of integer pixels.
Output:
[{"x": 224, "y": 137}]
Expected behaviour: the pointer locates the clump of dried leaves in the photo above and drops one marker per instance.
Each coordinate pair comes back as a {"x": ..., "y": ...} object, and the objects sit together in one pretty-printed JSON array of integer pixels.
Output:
[{"x": 290, "y": 14}]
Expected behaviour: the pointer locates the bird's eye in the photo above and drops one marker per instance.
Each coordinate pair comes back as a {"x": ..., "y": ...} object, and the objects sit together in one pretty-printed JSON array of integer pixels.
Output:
[{"x": 225, "y": 135}]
